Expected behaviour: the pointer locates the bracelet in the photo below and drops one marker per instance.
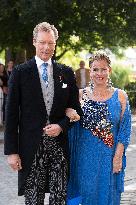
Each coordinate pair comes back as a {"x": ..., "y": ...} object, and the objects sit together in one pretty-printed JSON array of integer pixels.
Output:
[{"x": 118, "y": 156}]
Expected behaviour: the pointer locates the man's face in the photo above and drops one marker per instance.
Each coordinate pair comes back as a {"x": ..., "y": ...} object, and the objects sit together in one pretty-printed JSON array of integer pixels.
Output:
[
  {"x": 1, "y": 68},
  {"x": 82, "y": 64},
  {"x": 10, "y": 64},
  {"x": 45, "y": 45}
]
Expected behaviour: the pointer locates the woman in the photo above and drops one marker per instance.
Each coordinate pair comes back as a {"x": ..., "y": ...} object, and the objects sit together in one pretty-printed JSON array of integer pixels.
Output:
[
  {"x": 3, "y": 92},
  {"x": 98, "y": 142}
]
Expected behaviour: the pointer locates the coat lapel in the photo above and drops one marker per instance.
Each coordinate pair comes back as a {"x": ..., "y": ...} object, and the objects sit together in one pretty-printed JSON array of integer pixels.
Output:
[
  {"x": 57, "y": 76},
  {"x": 36, "y": 85}
]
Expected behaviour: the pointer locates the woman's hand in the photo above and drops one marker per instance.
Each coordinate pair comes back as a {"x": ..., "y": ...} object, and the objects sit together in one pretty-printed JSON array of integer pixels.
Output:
[
  {"x": 117, "y": 160},
  {"x": 72, "y": 114},
  {"x": 117, "y": 163}
]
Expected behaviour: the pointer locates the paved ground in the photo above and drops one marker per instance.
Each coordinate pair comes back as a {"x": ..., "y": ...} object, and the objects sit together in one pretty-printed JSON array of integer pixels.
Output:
[
  {"x": 8, "y": 179},
  {"x": 129, "y": 196}
]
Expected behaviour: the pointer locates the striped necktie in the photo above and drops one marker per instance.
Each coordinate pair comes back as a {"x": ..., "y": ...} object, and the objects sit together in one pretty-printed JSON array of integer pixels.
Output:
[{"x": 45, "y": 73}]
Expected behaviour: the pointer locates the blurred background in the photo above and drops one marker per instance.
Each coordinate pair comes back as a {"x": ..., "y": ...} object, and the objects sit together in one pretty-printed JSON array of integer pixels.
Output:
[{"x": 84, "y": 28}]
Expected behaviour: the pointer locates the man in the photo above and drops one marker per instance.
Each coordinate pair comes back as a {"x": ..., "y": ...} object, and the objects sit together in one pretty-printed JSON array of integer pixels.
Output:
[
  {"x": 9, "y": 68},
  {"x": 82, "y": 76},
  {"x": 40, "y": 90}
]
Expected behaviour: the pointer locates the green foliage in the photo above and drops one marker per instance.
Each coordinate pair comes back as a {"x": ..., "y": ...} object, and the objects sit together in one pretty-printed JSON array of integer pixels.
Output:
[
  {"x": 131, "y": 91},
  {"x": 72, "y": 59},
  {"x": 2, "y": 57},
  {"x": 120, "y": 75},
  {"x": 98, "y": 24}
]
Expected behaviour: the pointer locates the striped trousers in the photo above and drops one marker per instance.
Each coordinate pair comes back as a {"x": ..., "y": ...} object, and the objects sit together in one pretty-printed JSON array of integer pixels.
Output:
[{"x": 49, "y": 169}]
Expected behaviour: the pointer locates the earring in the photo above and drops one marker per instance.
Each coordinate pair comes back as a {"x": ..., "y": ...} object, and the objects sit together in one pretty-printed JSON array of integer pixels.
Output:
[
  {"x": 91, "y": 84},
  {"x": 109, "y": 83}
]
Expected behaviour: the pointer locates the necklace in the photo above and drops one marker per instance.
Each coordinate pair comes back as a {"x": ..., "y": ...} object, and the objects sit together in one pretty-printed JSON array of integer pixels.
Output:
[{"x": 100, "y": 95}]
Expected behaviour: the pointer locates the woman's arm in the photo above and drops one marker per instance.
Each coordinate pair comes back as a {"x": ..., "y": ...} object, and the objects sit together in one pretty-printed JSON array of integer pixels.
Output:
[
  {"x": 124, "y": 132},
  {"x": 117, "y": 160}
]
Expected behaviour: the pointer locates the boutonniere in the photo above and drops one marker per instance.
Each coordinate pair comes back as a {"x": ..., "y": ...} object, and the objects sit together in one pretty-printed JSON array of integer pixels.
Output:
[
  {"x": 64, "y": 85},
  {"x": 60, "y": 78}
]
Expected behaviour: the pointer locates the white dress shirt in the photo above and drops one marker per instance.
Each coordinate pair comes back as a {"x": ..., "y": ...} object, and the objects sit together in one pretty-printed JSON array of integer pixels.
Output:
[
  {"x": 48, "y": 91},
  {"x": 39, "y": 62}
]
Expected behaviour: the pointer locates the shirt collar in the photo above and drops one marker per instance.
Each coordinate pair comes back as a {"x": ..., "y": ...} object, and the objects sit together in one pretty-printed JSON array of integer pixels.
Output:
[{"x": 39, "y": 62}]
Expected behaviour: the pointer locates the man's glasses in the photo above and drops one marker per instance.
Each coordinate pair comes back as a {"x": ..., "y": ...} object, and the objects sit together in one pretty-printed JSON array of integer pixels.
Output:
[{"x": 43, "y": 43}]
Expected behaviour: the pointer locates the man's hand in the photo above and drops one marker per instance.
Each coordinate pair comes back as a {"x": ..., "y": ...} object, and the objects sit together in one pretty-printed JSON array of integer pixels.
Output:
[
  {"x": 52, "y": 130},
  {"x": 14, "y": 162}
]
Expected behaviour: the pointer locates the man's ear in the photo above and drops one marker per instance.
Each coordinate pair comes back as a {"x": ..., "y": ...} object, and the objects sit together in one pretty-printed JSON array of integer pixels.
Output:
[{"x": 34, "y": 42}]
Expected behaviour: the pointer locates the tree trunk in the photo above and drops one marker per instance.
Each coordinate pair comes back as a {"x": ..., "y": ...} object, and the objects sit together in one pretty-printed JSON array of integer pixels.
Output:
[
  {"x": 20, "y": 56},
  {"x": 30, "y": 52},
  {"x": 9, "y": 55}
]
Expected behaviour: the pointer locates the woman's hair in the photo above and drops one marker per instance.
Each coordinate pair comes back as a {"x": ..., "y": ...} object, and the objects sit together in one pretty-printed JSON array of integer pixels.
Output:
[
  {"x": 44, "y": 26},
  {"x": 99, "y": 56}
]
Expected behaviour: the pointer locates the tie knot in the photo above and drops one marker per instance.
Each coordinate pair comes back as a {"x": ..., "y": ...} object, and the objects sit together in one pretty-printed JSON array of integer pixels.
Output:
[{"x": 44, "y": 65}]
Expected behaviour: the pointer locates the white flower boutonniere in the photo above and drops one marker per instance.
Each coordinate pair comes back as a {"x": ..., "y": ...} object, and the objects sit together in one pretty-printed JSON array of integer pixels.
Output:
[{"x": 64, "y": 85}]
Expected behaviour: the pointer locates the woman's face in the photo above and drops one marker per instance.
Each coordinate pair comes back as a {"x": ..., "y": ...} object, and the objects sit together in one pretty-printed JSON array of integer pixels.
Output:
[
  {"x": 99, "y": 72},
  {"x": 1, "y": 68}
]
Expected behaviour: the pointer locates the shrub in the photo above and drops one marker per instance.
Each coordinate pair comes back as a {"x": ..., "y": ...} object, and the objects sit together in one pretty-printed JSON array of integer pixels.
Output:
[
  {"x": 131, "y": 91},
  {"x": 120, "y": 75}
]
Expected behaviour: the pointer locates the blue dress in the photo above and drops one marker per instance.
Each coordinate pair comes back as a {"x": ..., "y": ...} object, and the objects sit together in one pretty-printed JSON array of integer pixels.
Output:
[{"x": 92, "y": 181}]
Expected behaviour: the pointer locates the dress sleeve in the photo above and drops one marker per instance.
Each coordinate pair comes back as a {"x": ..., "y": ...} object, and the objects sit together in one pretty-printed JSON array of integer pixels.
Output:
[
  {"x": 125, "y": 127},
  {"x": 124, "y": 138}
]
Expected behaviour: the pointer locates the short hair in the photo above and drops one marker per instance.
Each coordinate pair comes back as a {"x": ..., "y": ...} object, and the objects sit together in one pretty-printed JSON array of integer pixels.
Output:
[
  {"x": 99, "y": 56},
  {"x": 44, "y": 26},
  {"x": 82, "y": 62}
]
